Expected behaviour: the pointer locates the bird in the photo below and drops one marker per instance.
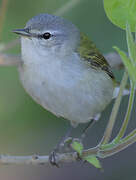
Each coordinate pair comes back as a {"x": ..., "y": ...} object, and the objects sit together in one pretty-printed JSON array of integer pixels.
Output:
[{"x": 62, "y": 70}]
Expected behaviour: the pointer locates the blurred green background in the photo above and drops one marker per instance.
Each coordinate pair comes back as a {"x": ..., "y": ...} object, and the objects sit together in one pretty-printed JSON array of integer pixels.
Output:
[{"x": 26, "y": 128}]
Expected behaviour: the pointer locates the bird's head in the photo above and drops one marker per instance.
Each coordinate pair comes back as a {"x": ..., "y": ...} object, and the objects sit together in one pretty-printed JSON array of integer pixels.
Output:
[{"x": 44, "y": 32}]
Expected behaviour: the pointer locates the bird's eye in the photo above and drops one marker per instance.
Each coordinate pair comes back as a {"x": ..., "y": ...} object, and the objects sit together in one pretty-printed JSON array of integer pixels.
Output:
[{"x": 46, "y": 35}]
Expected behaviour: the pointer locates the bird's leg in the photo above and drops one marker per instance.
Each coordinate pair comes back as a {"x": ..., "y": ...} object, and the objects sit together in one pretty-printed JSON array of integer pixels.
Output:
[
  {"x": 67, "y": 140},
  {"x": 62, "y": 141},
  {"x": 60, "y": 144},
  {"x": 89, "y": 125}
]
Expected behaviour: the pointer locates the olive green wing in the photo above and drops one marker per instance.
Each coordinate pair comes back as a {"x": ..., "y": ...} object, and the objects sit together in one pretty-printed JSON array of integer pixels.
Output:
[{"x": 92, "y": 56}]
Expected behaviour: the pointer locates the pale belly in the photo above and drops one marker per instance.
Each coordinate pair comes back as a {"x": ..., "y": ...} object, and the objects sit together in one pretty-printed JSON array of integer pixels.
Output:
[{"x": 76, "y": 97}]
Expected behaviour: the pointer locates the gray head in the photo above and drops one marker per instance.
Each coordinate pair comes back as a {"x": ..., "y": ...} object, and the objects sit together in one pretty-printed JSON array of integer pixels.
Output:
[{"x": 49, "y": 31}]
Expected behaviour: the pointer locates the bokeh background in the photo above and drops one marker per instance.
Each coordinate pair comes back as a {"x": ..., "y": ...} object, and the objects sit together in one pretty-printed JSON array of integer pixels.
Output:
[{"x": 26, "y": 128}]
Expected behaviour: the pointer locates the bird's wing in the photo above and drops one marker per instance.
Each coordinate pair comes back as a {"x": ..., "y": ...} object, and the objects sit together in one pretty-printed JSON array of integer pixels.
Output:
[{"x": 92, "y": 56}]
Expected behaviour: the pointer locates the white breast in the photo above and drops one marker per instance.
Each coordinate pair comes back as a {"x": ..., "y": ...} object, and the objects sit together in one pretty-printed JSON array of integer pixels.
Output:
[{"x": 65, "y": 87}]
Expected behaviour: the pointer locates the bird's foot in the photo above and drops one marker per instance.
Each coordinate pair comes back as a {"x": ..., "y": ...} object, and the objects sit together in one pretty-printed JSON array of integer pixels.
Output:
[
  {"x": 53, "y": 158},
  {"x": 64, "y": 146},
  {"x": 67, "y": 144}
]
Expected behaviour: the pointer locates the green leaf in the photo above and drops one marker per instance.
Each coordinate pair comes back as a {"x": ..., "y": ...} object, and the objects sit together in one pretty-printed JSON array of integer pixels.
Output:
[
  {"x": 77, "y": 146},
  {"x": 120, "y": 12},
  {"x": 94, "y": 161},
  {"x": 128, "y": 64},
  {"x": 131, "y": 45}
]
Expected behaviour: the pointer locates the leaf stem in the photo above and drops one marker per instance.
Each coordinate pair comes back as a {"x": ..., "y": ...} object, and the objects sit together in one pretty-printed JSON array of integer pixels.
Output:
[
  {"x": 128, "y": 114},
  {"x": 109, "y": 128},
  {"x": 117, "y": 148}
]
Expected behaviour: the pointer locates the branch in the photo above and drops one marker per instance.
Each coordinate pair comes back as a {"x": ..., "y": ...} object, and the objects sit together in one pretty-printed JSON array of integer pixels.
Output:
[
  {"x": 10, "y": 60},
  {"x": 66, "y": 157},
  {"x": 44, "y": 160},
  {"x": 36, "y": 159}
]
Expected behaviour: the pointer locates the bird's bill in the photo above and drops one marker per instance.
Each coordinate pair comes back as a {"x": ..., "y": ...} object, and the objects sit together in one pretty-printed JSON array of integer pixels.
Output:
[{"x": 22, "y": 32}]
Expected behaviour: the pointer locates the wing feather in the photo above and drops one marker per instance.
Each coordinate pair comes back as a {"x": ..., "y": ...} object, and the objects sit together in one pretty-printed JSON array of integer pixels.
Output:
[{"x": 92, "y": 56}]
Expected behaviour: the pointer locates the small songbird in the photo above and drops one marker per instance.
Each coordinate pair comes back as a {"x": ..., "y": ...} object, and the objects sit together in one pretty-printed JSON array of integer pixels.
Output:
[{"x": 62, "y": 69}]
